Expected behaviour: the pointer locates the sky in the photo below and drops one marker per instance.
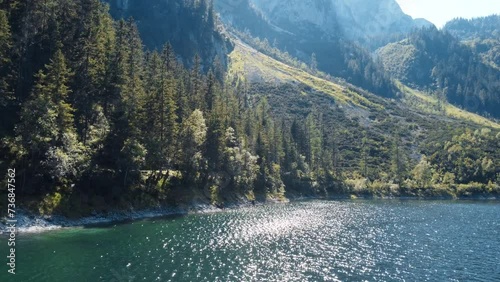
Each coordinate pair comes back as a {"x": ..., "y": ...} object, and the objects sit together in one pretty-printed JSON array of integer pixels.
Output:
[{"x": 441, "y": 11}]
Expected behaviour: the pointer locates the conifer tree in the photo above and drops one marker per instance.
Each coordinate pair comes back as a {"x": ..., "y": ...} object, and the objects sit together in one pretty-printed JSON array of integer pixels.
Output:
[
  {"x": 47, "y": 129},
  {"x": 314, "y": 140},
  {"x": 152, "y": 117},
  {"x": 197, "y": 98},
  {"x": 6, "y": 95},
  {"x": 92, "y": 61},
  {"x": 193, "y": 135},
  {"x": 398, "y": 161},
  {"x": 314, "y": 63},
  {"x": 364, "y": 154}
]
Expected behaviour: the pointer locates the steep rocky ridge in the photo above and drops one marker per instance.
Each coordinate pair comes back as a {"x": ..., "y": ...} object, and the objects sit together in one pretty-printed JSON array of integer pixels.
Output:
[{"x": 358, "y": 20}]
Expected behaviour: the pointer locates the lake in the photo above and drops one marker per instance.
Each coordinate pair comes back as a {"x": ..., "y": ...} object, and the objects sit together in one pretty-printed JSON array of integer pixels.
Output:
[{"x": 372, "y": 240}]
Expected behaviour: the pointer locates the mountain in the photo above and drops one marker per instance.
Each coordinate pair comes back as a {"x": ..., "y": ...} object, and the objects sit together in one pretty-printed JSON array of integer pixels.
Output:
[
  {"x": 481, "y": 34},
  {"x": 189, "y": 26},
  {"x": 435, "y": 60},
  {"x": 334, "y": 54},
  {"x": 477, "y": 28},
  {"x": 361, "y": 20}
]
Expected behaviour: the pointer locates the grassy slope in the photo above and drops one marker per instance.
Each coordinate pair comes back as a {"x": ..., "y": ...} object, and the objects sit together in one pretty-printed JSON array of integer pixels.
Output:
[
  {"x": 429, "y": 104},
  {"x": 249, "y": 64}
]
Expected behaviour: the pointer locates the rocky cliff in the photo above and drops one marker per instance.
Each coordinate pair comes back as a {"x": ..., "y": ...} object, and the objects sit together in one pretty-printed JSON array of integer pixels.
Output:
[{"x": 359, "y": 20}]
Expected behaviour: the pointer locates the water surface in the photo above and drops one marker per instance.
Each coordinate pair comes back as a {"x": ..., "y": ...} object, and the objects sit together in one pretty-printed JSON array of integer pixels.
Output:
[{"x": 301, "y": 241}]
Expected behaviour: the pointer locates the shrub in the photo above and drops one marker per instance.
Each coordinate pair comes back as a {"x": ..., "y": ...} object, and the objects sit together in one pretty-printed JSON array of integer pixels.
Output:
[
  {"x": 50, "y": 203},
  {"x": 470, "y": 189}
]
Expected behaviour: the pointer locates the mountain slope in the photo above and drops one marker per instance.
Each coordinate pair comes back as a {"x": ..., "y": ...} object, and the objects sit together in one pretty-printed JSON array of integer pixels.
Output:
[
  {"x": 253, "y": 66},
  {"x": 364, "y": 128},
  {"x": 477, "y": 28},
  {"x": 359, "y": 20},
  {"x": 481, "y": 34},
  {"x": 334, "y": 54},
  {"x": 246, "y": 62},
  {"x": 437, "y": 61}
]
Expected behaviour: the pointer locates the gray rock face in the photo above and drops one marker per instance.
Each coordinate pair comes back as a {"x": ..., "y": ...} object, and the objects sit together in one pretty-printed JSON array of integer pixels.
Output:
[
  {"x": 356, "y": 19},
  {"x": 319, "y": 13}
]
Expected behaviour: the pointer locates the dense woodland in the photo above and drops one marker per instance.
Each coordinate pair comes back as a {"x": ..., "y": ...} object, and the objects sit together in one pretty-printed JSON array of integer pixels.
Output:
[
  {"x": 92, "y": 120},
  {"x": 189, "y": 26},
  {"x": 477, "y": 28}
]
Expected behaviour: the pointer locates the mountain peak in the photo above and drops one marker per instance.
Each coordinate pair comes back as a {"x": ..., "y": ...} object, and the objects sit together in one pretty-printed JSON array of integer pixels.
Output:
[{"x": 358, "y": 20}]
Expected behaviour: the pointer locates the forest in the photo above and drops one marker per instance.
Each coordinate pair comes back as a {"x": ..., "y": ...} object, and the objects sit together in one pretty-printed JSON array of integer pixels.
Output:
[
  {"x": 436, "y": 61},
  {"x": 93, "y": 120}
]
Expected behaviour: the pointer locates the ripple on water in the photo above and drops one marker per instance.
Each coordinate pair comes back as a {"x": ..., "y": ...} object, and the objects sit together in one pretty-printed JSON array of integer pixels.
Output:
[{"x": 303, "y": 241}]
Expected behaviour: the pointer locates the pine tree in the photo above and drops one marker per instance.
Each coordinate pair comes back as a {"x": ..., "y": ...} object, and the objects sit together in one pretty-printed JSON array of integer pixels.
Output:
[
  {"x": 92, "y": 61},
  {"x": 315, "y": 142},
  {"x": 133, "y": 92},
  {"x": 197, "y": 97},
  {"x": 364, "y": 154},
  {"x": 314, "y": 63},
  {"x": 217, "y": 124},
  {"x": 153, "y": 115},
  {"x": 183, "y": 97},
  {"x": 47, "y": 127},
  {"x": 124, "y": 103},
  {"x": 218, "y": 70},
  {"x": 128, "y": 97},
  {"x": 398, "y": 161},
  {"x": 6, "y": 95},
  {"x": 168, "y": 124},
  {"x": 210, "y": 90},
  {"x": 193, "y": 135}
]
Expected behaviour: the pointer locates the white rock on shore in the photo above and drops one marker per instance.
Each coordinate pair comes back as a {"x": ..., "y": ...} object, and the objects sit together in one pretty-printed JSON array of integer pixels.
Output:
[{"x": 29, "y": 223}]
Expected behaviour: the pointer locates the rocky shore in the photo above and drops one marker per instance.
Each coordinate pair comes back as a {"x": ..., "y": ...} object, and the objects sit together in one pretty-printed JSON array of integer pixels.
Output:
[{"x": 30, "y": 223}]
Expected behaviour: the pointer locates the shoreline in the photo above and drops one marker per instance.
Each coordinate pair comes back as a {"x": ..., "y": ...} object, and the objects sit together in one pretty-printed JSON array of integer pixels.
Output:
[
  {"x": 31, "y": 223},
  {"x": 28, "y": 223}
]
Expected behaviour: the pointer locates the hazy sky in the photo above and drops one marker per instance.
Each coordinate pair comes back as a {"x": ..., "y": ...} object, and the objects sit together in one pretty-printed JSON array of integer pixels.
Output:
[{"x": 441, "y": 11}]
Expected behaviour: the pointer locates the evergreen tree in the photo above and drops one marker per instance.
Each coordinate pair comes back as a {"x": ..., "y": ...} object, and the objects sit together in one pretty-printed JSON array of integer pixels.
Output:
[
  {"x": 364, "y": 154},
  {"x": 92, "y": 61},
  {"x": 239, "y": 162},
  {"x": 47, "y": 129},
  {"x": 398, "y": 161},
  {"x": 159, "y": 114},
  {"x": 197, "y": 97},
  {"x": 314, "y": 63},
  {"x": 192, "y": 137},
  {"x": 6, "y": 95},
  {"x": 314, "y": 139}
]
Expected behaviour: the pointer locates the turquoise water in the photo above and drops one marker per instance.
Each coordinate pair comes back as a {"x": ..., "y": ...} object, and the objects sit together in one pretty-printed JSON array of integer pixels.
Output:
[{"x": 301, "y": 241}]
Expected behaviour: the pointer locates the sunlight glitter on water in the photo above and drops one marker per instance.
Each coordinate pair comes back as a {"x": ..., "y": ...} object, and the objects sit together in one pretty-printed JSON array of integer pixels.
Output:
[{"x": 302, "y": 241}]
